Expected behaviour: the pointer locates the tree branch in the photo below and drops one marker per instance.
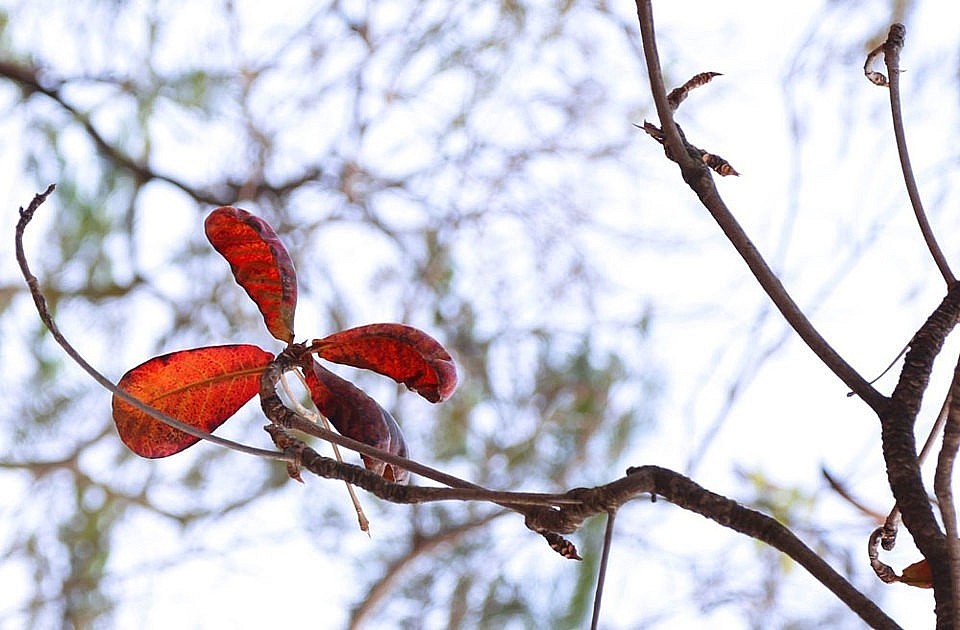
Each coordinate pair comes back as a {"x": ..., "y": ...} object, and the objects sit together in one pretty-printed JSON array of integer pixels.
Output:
[
  {"x": 688, "y": 495},
  {"x": 943, "y": 488},
  {"x": 891, "y": 58},
  {"x": 897, "y": 423},
  {"x": 698, "y": 177},
  {"x": 579, "y": 504}
]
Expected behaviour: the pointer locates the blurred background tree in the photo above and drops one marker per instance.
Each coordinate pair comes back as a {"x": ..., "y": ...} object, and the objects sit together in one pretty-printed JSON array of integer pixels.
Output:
[{"x": 469, "y": 168}]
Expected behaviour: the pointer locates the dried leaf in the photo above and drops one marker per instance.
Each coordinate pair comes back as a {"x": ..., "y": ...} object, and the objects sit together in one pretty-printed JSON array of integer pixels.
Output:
[
  {"x": 202, "y": 387},
  {"x": 562, "y": 546},
  {"x": 260, "y": 264},
  {"x": 892, "y": 45},
  {"x": 718, "y": 164},
  {"x": 358, "y": 416},
  {"x": 678, "y": 95},
  {"x": 918, "y": 574},
  {"x": 877, "y": 78},
  {"x": 405, "y": 354}
]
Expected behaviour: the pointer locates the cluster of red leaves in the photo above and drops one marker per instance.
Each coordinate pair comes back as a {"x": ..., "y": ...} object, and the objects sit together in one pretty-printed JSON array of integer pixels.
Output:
[{"x": 204, "y": 387}]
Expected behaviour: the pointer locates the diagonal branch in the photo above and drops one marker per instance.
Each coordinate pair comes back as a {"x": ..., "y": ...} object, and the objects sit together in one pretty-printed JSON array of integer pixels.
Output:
[
  {"x": 697, "y": 176},
  {"x": 28, "y": 78},
  {"x": 568, "y": 511},
  {"x": 688, "y": 495}
]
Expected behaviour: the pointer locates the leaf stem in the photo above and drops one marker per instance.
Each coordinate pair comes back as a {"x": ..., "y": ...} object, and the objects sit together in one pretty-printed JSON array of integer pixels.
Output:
[{"x": 318, "y": 418}]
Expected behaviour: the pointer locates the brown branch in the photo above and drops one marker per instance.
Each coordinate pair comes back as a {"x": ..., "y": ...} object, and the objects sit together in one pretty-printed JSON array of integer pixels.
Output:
[
  {"x": 943, "y": 488},
  {"x": 552, "y": 514},
  {"x": 696, "y": 175},
  {"x": 688, "y": 495},
  {"x": 41, "y": 304},
  {"x": 900, "y": 450},
  {"x": 891, "y": 58},
  {"x": 567, "y": 512}
]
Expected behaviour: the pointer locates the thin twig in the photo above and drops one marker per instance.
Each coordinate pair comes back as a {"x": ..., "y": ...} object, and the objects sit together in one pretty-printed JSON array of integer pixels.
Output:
[
  {"x": 891, "y": 58},
  {"x": 846, "y": 495},
  {"x": 697, "y": 176},
  {"x": 41, "y": 303},
  {"x": 602, "y": 571}
]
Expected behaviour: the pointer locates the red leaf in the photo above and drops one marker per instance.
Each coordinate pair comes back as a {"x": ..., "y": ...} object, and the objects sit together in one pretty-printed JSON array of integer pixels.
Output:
[
  {"x": 405, "y": 354},
  {"x": 201, "y": 387},
  {"x": 359, "y": 417},
  {"x": 260, "y": 264}
]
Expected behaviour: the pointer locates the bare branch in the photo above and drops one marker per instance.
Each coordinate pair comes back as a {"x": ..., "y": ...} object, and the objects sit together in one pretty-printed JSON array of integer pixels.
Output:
[
  {"x": 686, "y": 494},
  {"x": 845, "y": 494},
  {"x": 698, "y": 178},
  {"x": 900, "y": 451},
  {"x": 891, "y": 57}
]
